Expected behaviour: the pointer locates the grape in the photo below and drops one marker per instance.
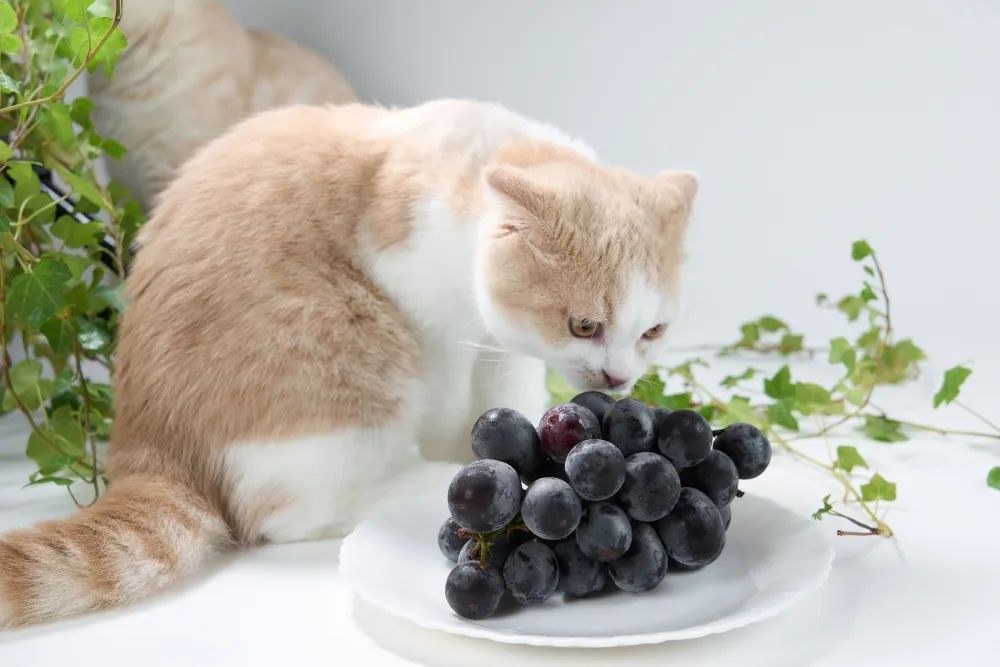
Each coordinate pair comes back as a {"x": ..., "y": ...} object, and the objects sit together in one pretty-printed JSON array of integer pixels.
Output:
[
  {"x": 531, "y": 573},
  {"x": 545, "y": 468},
  {"x": 484, "y": 496},
  {"x": 595, "y": 469},
  {"x": 715, "y": 476},
  {"x": 644, "y": 565},
  {"x": 500, "y": 547},
  {"x": 579, "y": 576},
  {"x": 551, "y": 509},
  {"x": 449, "y": 542},
  {"x": 474, "y": 591},
  {"x": 658, "y": 415},
  {"x": 685, "y": 437},
  {"x": 693, "y": 533},
  {"x": 727, "y": 515},
  {"x": 507, "y": 435},
  {"x": 748, "y": 448},
  {"x": 604, "y": 533},
  {"x": 651, "y": 487},
  {"x": 629, "y": 425},
  {"x": 596, "y": 402},
  {"x": 564, "y": 426}
]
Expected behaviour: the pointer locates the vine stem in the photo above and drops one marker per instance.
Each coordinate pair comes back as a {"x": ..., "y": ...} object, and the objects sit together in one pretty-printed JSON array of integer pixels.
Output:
[
  {"x": 978, "y": 416},
  {"x": 77, "y": 354},
  {"x": 91, "y": 54}
]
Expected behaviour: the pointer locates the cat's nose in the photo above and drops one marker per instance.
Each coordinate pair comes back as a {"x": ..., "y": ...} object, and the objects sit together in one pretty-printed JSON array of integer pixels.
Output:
[{"x": 614, "y": 381}]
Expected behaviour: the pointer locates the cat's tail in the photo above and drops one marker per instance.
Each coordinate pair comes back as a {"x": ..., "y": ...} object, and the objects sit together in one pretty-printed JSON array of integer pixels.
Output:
[{"x": 145, "y": 533}]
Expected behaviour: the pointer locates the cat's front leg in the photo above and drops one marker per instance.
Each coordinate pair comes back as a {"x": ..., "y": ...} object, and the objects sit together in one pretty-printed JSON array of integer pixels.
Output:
[{"x": 510, "y": 381}]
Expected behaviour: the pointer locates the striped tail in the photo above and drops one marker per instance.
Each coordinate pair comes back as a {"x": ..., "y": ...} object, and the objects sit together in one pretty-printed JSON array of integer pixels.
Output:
[{"x": 144, "y": 534}]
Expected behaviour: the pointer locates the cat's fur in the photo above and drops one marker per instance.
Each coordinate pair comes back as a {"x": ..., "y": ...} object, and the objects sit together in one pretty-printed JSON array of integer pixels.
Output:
[
  {"x": 190, "y": 72},
  {"x": 321, "y": 293}
]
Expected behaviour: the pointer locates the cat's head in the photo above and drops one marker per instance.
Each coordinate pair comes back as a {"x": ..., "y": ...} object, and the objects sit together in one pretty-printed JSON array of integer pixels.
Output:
[{"x": 581, "y": 266}]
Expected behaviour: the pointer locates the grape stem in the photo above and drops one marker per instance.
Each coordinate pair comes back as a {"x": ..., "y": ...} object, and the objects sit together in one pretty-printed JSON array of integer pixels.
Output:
[{"x": 484, "y": 541}]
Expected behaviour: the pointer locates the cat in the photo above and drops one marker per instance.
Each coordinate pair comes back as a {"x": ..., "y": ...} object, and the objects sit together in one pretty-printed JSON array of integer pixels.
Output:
[
  {"x": 189, "y": 72},
  {"x": 322, "y": 303}
]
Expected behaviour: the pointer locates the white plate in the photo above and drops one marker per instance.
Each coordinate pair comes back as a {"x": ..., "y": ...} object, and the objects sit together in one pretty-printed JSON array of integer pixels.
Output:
[{"x": 772, "y": 559}]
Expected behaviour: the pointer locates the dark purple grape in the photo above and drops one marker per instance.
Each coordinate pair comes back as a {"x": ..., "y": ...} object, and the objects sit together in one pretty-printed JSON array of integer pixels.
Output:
[
  {"x": 685, "y": 437},
  {"x": 658, "y": 415},
  {"x": 644, "y": 565},
  {"x": 565, "y": 426},
  {"x": 604, "y": 533},
  {"x": 715, "y": 476},
  {"x": 500, "y": 547},
  {"x": 473, "y": 591},
  {"x": 727, "y": 515},
  {"x": 629, "y": 425},
  {"x": 748, "y": 448},
  {"x": 651, "y": 487},
  {"x": 595, "y": 469},
  {"x": 551, "y": 509},
  {"x": 693, "y": 533},
  {"x": 579, "y": 576},
  {"x": 449, "y": 542},
  {"x": 484, "y": 496},
  {"x": 531, "y": 573},
  {"x": 545, "y": 468},
  {"x": 596, "y": 402},
  {"x": 507, "y": 435}
]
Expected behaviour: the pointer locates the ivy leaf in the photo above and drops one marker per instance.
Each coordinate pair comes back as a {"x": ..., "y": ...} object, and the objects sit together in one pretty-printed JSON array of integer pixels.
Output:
[
  {"x": 11, "y": 44},
  {"x": 59, "y": 333},
  {"x": 860, "y": 250},
  {"x": 93, "y": 336},
  {"x": 771, "y": 324},
  {"x": 709, "y": 412},
  {"x": 731, "y": 381},
  {"x": 749, "y": 334},
  {"x": 738, "y": 409},
  {"x": 851, "y": 306},
  {"x": 818, "y": 514},
  {"x": 77, "y": 234},
  {"x": 57, "y": 118},
  {"x": 7, "y": 83},
  {"x": 6, "y": 152},
  {"x": 82, "y": 186},
  {"x": 560, "y": 390},
  {"x": 38, "y": 295},
  {"x": 649, "y": 389},
  {"x": 848, "y": 459},
  {"x": 791, "y": 343},
  {"x": 954, "y": 378},
  {"x": 908, "y": 352},
  {"x": 780, "y": 413},
  {"x": 75, "y": 9},
  {"x": 113, "y": 296},
  {"x": 882, "y": 429},
  {"x": 878, "y": 488},
  {"x": 808, "y": 393},
  {"x": 113, "y": 149},
  {"x": 842, "y": 352},
  {"x": 8, "y": 19},
  {"x": 780, "y": 386},
  {"x": 677, "y": 401},
  {"x": 80, "y": 110},
  {"x": 993, "y": 478},
  {"x": 4, "y": 223},
  {"x": 6, "y": 193}
]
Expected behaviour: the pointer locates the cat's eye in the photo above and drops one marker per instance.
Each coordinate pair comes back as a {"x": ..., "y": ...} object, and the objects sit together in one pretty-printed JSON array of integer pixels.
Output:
[
  {"x": 654, "y": 332},
  {"x": 583, "y": 328}
]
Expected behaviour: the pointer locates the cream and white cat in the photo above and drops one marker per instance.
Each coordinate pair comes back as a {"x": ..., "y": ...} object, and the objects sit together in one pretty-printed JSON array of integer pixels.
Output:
[
  {"x": 190, "y": 72},
  {"x": 321, "y": 294}
]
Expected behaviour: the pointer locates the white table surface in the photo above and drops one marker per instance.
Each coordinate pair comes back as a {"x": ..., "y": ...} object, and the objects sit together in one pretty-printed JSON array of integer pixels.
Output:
[{"x": 931, "y": 596}]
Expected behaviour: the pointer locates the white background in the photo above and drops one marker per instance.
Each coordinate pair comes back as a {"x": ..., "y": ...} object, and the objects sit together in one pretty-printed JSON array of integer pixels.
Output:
[{"x": 811, "y": 124}]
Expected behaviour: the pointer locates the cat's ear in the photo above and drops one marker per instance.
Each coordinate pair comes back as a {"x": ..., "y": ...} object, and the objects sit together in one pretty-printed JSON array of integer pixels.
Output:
[
  {"x": 672, "y": 196},
  {"x": 527, "y": 203}
]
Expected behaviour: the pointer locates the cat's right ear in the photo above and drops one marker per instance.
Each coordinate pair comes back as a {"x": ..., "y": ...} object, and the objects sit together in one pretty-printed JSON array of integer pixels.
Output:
[{"x": 526, "y": 203}]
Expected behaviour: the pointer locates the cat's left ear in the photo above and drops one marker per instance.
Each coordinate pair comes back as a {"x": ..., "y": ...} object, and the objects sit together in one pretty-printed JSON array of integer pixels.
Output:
[
  {"x": 673, "y": 195},
  {"x": 528, "y": 202}
]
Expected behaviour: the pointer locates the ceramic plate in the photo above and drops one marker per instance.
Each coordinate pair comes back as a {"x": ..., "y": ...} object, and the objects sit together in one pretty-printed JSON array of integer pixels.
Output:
[{"x": 772, "y": 559}]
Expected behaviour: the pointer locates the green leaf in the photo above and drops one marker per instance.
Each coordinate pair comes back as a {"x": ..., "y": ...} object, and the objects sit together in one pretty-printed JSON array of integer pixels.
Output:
[
  {"x": 848, "y": 459},
  {"x": 560, "y": 391},
  {"x": 80, "y": 110},
  {"x": 780, "y": 413},
  {"x": 75, "y": 9},
  {"x": 38, "y": 295},
  {"x": 6, "y": 193},
  {"x": 739, "y": 409},
  {"x": 868, "y": 294},
  {"x": 78, "y": 265},
  {"x": 860, "y": 250},
  {"x": 878, "y": 489},
  {"x": 677, "y": 401},
  {"x": 954, "y": 378},
  {"x": 780, "y": 386},
  {"x": 791, "y": 343},
  {"x": 6, "y": 152},
  {"x": 48, "y": 479},
  {"x": 808, "y": 393},
  {"x": 731, "y": 381},
  {"x": 908, "y": 352},
  {"x": 11, "y": 44},
  {"x": 771, "y": 324},
  {"x": 821, "y": 299},
  {"x": 842, "y": 352},
  {"x": 77, "y": 234},
  {"x": 851, "y": 306},
  {"x": 4, "y": 223},
  {"x": 57, "y": 117},
  {"x": 993, "y": 478},
  {"x": 113, "y": 149},
  {"x": 8, "y": 18},
  {"x": 9, "y": 84},
  {"x": 108, "y": 296},
  {"x": 855, "y": 396},
  {"x": 708, "y": 412},
  {"x": 883, "y": 429},
  {"x": 649, "y": 389},
  {"x": 59, "y": 333},
  {"x": 93, "y": 336},
  {"x": 750, "y": 333},
  {"x": 82, "y": 186},
  {"x": 818, "y": 514},
  {"x": 24, "y": 376}
]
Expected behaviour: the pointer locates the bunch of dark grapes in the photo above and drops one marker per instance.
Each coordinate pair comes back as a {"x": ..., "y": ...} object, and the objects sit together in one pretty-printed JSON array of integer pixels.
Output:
[{"x": 601, "y": 494}]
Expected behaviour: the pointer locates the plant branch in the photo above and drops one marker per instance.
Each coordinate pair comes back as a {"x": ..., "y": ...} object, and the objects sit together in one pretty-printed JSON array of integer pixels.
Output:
[{"x": 77, "y": 354}]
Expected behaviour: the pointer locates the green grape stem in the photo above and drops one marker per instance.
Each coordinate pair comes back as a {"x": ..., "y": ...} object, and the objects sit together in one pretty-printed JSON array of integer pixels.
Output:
[{"x": 484, "y": 541}]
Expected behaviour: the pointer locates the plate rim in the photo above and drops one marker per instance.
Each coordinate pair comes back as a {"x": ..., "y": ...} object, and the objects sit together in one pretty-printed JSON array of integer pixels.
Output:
[{"x": 347, "y": 567}]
